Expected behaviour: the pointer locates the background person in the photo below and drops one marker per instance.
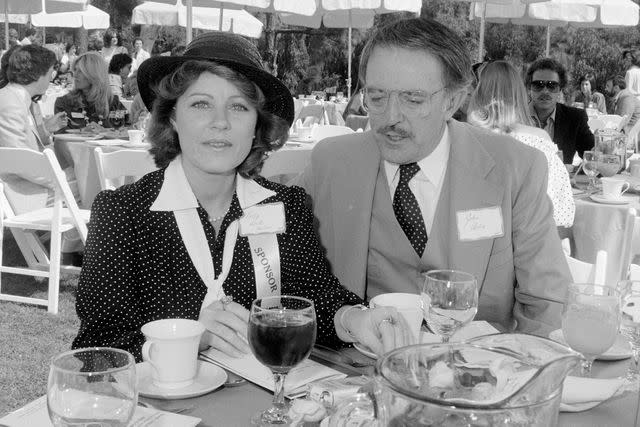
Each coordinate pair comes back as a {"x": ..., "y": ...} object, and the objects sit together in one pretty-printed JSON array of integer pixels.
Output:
[
  {"x": 567, "y": 126},
  {"x": 119, "y": 68},
  {"x": 499, "y": 103},
  {"x": 91, "y": 99},
  {"x": 111, "y": 45},
  {"x": 421, "y": 191},
  {"x": 30, "y": 37},
  {"x": 624, "y": 103},
  {"x": 588, "y": 96},
  {"x": 68, "y": 58},
  {"x": 216, "y": 112},
  {"x": 139, "y": 55}
]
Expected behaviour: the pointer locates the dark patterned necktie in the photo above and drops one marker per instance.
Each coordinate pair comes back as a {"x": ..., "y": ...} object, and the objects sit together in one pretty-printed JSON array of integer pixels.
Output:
[{"x": 407, "y": 210}]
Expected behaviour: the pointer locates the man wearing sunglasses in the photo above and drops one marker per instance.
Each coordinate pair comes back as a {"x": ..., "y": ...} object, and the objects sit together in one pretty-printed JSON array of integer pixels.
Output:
[
  {"x": 422, "y": 191},
  {"x": 567, "y": 126}
]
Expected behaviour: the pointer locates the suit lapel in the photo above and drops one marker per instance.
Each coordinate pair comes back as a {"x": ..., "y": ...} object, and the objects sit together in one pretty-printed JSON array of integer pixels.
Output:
[
  {"x": 466, "y": 187},
  {"x": 559, "y": 128}
]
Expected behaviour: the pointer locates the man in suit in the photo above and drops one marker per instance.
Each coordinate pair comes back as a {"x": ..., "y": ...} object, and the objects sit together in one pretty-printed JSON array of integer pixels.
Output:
[
  {"x": 623, "y": 101},
  {"x": 421, "y": 191},
  {"x": 567, "y": 126}
]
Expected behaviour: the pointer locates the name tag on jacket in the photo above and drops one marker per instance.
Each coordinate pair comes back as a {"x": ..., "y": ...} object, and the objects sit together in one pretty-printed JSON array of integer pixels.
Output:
[
  {"x": 260, "y": 219},
  {"x": 478, "y": 224}
]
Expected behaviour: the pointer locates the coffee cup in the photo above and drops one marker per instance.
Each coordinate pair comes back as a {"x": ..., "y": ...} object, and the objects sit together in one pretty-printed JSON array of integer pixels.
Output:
[
  {"x": 304, "y": 132},
  {"x": 172, "y": 351},
  {"x": 408, "y": 306},
  {"x": 613, "y": 188},
  {"x": 136, "y": 136}
]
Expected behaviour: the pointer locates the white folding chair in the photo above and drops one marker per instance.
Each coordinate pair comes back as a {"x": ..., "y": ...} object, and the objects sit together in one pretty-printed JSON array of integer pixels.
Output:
[
  {"x": 321, "y": 132},
  {"x": 313, "y": 114},
  {"x": 122, "y": 166},
  {"x": 282, "y": 165},
  {"x": 632, "y": 136},
  {"x": 56, "y": 220},
  {"x": 585, "y": 272}
]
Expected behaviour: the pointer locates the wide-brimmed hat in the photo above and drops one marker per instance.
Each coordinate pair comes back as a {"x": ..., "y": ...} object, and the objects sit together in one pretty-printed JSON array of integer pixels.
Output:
[{"x": 226, "y": 49}]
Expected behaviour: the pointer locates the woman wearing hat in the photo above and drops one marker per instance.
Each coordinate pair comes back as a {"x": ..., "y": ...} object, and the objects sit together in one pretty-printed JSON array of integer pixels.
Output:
[{"x": 204, "y": 235}]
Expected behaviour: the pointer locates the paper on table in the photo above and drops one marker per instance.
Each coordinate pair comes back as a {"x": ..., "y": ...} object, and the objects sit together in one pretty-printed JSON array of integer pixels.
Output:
[
  {"x": 36, "y": 414},
  {"x": 248, "y": 367},
  {"x": 580, "y": 394}
]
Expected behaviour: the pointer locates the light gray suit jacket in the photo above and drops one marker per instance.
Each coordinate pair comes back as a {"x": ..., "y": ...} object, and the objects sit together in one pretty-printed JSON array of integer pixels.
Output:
[
  {"x": 523, "y": 275},
  {"x": 16, "y": 123}
]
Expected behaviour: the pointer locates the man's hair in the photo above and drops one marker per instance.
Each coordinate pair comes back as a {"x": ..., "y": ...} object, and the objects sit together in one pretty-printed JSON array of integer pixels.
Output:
[
  {"x": 69, "y": 46},
  {"x": 136, "y": 39},
  {"x": 591, "y": 78},
  {"x": 618, "y": 81},
  {"x": 634, "y": 59},
  {"x": 29, "y": 63},
  {"x": 118, "y": 62},
  {"x": 429, "y": 36},
  {"x": 30, "y": 32},
  {"x": 546, "y": 64},
  {"x": 108, "y": 35}
]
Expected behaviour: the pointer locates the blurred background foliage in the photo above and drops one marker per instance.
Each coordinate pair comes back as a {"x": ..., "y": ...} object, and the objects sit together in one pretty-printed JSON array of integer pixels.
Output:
[{"x": 308, "y": 59}]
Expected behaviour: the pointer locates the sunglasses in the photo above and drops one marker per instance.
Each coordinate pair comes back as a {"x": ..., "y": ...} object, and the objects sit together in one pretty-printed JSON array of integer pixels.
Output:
[{"x": 539, "y": 85}]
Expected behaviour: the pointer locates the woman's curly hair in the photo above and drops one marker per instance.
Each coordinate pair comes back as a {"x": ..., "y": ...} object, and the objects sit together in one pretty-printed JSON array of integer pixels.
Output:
[{"x": 270, "y": 133}]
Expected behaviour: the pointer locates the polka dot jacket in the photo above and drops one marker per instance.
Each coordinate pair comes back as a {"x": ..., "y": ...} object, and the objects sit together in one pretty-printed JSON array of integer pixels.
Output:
[{"x": 136, "y": 268}]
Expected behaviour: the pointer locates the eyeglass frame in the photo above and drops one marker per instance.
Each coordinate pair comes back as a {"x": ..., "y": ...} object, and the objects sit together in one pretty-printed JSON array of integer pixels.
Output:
[
  {"x": 540, "y": 85},
  {"x": 428, "y": 100}
]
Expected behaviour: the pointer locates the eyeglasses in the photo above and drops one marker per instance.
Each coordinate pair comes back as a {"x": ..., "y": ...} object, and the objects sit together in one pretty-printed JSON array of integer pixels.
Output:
[
  {"x": 552, "y": 86},
  {"x": 412, "y": 103}
]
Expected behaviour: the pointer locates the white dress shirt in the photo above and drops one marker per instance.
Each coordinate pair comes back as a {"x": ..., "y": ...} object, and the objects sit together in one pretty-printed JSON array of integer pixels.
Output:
[{"x": 426, "y": 185}]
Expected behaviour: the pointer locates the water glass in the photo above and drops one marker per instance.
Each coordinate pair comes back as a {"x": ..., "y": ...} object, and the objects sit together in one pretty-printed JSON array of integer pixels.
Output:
[
  {"x": 282, "y": 332},
  {"x": 609, "y": 164},
  {"x": 590, "y": 320},
  {"x": 630, "y": 323},
  {"x": 590, "y": 167},
  {"x": 92, "y": 386},
  {"x": 449, "y": 301}
]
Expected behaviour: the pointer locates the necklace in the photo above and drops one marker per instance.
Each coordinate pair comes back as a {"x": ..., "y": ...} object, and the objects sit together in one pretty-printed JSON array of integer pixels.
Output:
[{"x": 218, "y": 218}]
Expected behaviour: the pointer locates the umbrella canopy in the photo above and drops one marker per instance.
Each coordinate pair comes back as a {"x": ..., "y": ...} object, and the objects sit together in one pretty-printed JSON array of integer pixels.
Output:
[
  {"x": 237, "y": 21},
  {"x": 91, "y": 18},
  {"x": 578, "y": 13}
]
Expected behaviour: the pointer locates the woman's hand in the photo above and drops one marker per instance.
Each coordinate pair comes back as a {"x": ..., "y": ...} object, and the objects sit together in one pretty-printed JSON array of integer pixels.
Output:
[
  {"x": 226, "y": 328},
  {"x": 56, "y": 122},
  {"x": 382, "y": 329}
]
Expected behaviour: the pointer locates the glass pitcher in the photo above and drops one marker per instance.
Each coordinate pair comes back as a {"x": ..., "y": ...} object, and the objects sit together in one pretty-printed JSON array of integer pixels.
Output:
[
  {"x": 611, "y": 141},
  {"x": 502, "y": 379}
]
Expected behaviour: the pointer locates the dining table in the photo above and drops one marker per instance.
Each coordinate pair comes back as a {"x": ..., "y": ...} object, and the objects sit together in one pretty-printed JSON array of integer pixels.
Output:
[{"x": 234, "y": 406}]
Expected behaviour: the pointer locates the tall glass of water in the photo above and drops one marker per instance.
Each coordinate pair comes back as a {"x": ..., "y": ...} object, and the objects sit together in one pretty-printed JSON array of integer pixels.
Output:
[
  {"x": 630, "y": 323},
  {"x": 590, "y": 320},
  {"x": 92, "y": 387},
  {"x": 282, "y": 332},
  {"x": 590, "y": 167},
  {"x": 449, "y": 301}
]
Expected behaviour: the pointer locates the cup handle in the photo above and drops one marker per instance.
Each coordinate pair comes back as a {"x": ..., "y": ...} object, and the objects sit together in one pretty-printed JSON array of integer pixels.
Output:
[
  {"x": 146, "y": 353},
  {"x": 624, "y": 190}
]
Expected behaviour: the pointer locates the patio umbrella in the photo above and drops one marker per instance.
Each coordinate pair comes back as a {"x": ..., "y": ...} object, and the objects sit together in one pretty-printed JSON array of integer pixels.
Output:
[
  {"x": 237, "y": 21},
  {"x": 26, "y": 7},
  {"x": 92, "y": 18},
  {"x": 350, "y": 14},
  {"x": 578, "y": 13}
]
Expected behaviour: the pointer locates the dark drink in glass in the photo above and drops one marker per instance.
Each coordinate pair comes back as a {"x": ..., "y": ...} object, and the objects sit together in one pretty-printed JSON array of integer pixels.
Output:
[{"x": 280, "y": 342}]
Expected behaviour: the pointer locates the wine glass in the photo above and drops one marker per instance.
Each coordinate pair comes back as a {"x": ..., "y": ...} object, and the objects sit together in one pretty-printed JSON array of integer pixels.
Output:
[
  {"x": 590, "y": 167},
  {"x": 449, "y": 301},
  {"x": 282, "y": 332},
  {"x": 609, "y": 164},
  {"x": 92, "y": 386},
  {"x": 630, "y": 323},
  {"x": 590, "y": 320},
  {"x": 116, "y": 118}
]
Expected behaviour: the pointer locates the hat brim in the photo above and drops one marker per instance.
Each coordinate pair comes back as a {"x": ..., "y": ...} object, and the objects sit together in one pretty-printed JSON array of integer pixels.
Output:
[{"x": 278, "y": 99}]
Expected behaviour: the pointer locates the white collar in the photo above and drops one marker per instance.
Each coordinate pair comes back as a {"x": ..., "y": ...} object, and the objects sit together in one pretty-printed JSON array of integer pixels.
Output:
[
  {"x": 176, "y": 193},
  {"x": 431, "y": 166}
]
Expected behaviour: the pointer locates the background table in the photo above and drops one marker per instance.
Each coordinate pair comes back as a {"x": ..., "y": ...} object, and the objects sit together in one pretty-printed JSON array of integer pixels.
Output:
[{"x": 234, "y": 406}]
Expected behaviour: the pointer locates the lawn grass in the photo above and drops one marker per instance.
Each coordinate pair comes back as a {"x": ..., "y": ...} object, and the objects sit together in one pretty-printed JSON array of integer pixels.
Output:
[{"x": 29, "y": 336}]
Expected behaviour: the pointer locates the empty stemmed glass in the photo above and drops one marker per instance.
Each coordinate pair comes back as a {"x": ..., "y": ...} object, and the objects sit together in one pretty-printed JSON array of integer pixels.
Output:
[
  {"x": 282, "y": 332},
  {"x": 449, "y": 301},
  {"x": 93, "y": 387},
  {"x": 590, "y": 168},
  {"x": 590, "y": 320},
  {"x": 630, "y": 323}
]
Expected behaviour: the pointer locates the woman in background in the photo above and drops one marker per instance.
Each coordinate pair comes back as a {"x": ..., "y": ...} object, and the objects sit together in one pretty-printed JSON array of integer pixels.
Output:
[
  {"x": 112, "y": 44},
  {"x": 500, "y": 103},
  {"x": 91, "y": 99},
  {"x": 588, "y": 96},
  {"x": 68, "y": 58}
]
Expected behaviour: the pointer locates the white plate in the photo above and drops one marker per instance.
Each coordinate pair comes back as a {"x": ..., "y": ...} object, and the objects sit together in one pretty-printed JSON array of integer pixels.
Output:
[
  {"x": 620, "y": 350},
  {"x": 623, "y": 200},
  {"x": 209, "y": 378},
  {"x": 76, "y": 137}
]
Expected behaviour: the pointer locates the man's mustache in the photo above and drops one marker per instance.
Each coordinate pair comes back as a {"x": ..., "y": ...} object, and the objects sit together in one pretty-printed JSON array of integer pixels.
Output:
[{"x": 394, "y": 129}]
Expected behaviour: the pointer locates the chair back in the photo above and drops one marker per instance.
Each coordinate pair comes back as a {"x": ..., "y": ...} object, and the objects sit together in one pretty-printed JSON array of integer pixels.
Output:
[
  {"x": 122, "y": 166},
  {"x": 313, "y": 114},
  {"x": 632, "y": 136},
  {"x": 585, "y": 272},
  {"x": 321, "y": 132}
]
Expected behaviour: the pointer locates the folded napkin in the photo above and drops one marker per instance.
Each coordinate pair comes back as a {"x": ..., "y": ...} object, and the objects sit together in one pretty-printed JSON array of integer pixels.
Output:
[{"x": 580, "y": 394}]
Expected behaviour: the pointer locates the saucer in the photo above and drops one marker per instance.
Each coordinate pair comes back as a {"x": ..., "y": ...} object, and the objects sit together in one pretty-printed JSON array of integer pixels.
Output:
[
  {"x": 621, "y": 349},
  {"x": 622, "y": 200},
  {"x": 209, "y": 378}
]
